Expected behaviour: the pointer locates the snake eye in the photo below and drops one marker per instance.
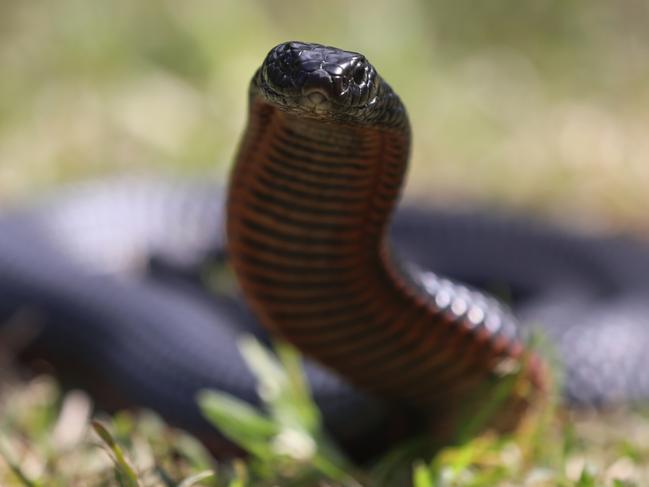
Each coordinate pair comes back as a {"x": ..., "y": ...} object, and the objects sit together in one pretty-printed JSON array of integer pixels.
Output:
[{"x": 359, "y": 75}]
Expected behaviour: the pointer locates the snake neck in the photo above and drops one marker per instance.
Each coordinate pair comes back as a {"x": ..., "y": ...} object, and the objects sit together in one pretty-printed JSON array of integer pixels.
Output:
[{"x": 308, "y": 209}]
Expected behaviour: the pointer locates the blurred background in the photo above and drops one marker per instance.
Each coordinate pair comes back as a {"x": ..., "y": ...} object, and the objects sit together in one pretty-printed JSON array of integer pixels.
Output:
[{"x": 537, "y": 105}]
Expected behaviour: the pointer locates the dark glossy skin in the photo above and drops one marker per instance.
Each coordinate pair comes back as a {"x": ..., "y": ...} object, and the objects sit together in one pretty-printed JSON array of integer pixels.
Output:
[
  {"x": 325, "y": 83},
  {"x": 311, "y": 255},
  {"x": 101, "y": 298},
  {"x": 321, "y": 82}
]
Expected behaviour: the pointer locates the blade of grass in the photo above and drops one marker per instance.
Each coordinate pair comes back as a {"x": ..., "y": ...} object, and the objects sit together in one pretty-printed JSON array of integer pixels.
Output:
[
  {"x": 15, "y": 468},
  {"x": 194, "y": 479},
  {"x": 122, "y": 464},
  {"x": 421, "y": 476},
  {"x": 240, "y": 422}
]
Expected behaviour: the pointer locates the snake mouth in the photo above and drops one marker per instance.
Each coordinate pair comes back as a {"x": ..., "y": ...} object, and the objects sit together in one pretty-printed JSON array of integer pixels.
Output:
[
  {"x": 316, "y": 100},
  {"x": 317, "y": 103},
  {"x": 316, "y": 97}
]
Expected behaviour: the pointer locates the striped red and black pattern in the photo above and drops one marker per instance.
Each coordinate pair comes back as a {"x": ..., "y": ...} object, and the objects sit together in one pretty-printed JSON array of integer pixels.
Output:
[{"x": 308, "y": 208}]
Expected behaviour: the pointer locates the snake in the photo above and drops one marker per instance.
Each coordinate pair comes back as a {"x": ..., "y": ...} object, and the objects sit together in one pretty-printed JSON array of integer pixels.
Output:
[{"x": 105, "y": 283}]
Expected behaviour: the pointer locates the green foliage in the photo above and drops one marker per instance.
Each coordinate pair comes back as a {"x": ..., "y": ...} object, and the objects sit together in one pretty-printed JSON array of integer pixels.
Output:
[
  {"x": 196, "y": 478},
  {"x": 528, "y": 457},
  {"x": 286, "y": 440},
  {"x": 15, "y": 468},
  {"x": 287, "y": 445},
  {"x": 126, "y": 474}
]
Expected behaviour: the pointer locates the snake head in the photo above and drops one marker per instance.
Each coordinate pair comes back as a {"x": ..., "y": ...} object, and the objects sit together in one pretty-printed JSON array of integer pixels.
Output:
[{"x": 319, "y": 81}]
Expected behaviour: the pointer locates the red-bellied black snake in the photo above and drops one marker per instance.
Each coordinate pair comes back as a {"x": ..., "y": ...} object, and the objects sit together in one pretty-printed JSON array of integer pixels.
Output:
[
  {"x": 318, "y": 173},
  {"x": 110, "y": 275}
]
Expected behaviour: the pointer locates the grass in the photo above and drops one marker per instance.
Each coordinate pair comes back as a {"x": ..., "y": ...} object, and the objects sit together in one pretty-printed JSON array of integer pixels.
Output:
[
  {"x": 536, "y": 105},
  {"x": 287, "y": 445}
]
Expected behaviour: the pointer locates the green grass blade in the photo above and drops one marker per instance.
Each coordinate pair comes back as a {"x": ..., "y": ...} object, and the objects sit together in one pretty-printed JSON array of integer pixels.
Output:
[
  {"x": 15, "y": 468},
  {"x": 126, "y": 470},
  {"x": 194, "y": 479},
  {"x": 240, "y": 422},
  {"x": 422, "y": 476}
]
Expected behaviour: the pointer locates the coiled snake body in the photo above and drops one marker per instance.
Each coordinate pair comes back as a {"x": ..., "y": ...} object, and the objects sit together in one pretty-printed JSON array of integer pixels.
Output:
[{"x": 318, "y": 171}]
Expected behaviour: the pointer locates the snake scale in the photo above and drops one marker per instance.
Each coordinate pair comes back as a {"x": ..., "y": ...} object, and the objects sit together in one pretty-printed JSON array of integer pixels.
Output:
[{"x": 104, "y": 282}]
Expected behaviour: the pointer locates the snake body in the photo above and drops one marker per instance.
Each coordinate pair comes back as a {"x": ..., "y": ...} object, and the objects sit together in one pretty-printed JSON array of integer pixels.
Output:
[{"x": 317, "y": 175}]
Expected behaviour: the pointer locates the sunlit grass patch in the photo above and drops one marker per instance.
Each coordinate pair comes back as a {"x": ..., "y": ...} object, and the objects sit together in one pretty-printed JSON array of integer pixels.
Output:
[
  {"x": 547, "y": 449},
  {"x": 287, "y": 445}
]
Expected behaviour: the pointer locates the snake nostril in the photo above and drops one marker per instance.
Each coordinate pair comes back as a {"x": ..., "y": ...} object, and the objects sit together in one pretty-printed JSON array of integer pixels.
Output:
[{"x": 359, "y": 75}]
